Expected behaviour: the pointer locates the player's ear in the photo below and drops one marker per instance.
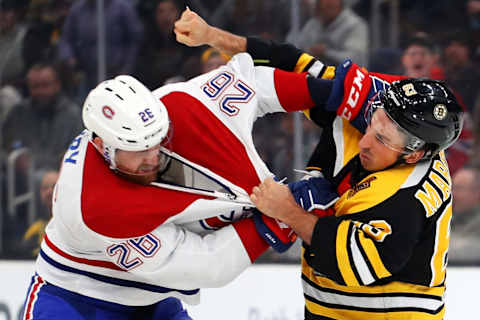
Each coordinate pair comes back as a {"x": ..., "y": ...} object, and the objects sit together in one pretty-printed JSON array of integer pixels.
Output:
[
  {"x": 98, "y": 143},
  {"x": 414, "y": 157}
]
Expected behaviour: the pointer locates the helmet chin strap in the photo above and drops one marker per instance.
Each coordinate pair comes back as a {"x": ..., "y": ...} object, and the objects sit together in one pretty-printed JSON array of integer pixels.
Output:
[{"x": 109, "y": 155}]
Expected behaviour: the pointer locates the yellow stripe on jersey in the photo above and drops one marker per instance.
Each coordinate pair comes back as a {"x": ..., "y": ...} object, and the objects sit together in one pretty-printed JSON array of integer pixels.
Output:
[
  {"x": 344, "y": 264},
  {"x": 329, "y": 73},
  {"x": 392, "y": 287},
  {"x": 351, "y": 136},
  {"x": 364, "y": 297},
  {"x": 371, "y": 191},
  {"x": 442, "y": 239},
  {"x": 306, "y": 112},
  {"x": 303, "y": 62},
  {"x": 373, "y": 256},
  {"x": 336, "y": 313}
]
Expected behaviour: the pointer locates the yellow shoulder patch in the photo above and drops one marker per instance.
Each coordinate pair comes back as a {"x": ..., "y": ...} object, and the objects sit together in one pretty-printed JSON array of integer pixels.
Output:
[{"x": 372, "y": 190}]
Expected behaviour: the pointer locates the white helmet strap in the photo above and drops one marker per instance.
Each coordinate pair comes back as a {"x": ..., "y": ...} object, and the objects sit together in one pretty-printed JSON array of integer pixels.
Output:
[{"x": 109, "y": 155}]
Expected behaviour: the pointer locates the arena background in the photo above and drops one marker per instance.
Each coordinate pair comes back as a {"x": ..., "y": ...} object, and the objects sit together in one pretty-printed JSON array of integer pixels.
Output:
[{"x": 142, "y": 43}]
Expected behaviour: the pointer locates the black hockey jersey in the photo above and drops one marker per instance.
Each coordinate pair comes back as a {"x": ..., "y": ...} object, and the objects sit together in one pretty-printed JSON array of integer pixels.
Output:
[{"x": 384, "y": 254}]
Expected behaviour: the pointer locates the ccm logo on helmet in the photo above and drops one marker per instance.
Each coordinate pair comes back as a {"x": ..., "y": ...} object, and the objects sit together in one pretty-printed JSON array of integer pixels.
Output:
[{"x": 108, "y": 112}]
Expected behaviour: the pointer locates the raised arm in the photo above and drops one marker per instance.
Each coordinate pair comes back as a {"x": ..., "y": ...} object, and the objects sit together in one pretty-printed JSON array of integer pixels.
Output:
[{"x": 193, "y": 31}]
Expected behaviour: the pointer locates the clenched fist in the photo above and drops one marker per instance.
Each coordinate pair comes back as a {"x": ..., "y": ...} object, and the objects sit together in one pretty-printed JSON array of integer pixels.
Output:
[
  {"x": 274, "y": 199},
  {"x": 192, "y": 30}
]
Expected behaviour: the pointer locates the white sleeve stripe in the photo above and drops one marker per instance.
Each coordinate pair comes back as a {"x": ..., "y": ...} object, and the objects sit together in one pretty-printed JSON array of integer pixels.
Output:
[
  {"x": 359, "y": 262},
  {"x": 316, "y": 68},
  {"x": 323, "y": 207},
  {"x": 339, "y": 144}
]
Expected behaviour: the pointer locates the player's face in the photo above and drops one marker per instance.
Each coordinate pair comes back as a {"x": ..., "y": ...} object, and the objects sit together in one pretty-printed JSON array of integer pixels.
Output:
[
  {"x": 140, "y": 166},
  {"x": 382, "y": 143}
]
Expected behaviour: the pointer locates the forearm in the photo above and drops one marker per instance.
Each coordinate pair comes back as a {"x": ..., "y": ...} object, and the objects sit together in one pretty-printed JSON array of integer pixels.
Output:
[
  {"x": 302, "y": 222},
  {"x": 226, "y": 41}
]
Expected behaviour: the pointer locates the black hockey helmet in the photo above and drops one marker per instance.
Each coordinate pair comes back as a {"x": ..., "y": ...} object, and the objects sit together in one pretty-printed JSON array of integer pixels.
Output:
[{"x": 427, "y": 110}]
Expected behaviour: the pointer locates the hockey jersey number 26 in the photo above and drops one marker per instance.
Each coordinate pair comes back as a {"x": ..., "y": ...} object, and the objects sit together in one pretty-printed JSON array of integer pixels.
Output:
[{"x": 126, "y": 243}]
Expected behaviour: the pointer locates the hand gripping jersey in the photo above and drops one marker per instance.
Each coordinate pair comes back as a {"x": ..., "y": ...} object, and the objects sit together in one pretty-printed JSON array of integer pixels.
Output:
[
  {"x": 114, "y": 240},
  {"x": 384, "y": 254}
]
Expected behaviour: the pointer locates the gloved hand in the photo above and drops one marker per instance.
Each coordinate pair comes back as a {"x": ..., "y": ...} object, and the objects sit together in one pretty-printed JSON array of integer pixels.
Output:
[
  {"x": 277, "y": 234},
  {"x": 350, "y": 89},
  {"x": 315, "y": 194}
]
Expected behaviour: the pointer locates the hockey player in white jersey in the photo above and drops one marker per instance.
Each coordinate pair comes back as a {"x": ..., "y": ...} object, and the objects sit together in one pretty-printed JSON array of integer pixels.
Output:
[{"x": 141, "y": 190}]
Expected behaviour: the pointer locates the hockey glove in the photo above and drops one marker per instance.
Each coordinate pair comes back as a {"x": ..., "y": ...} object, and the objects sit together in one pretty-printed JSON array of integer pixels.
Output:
[
  {"x": 277, "y": 234},
  {"x": 350, "y": 90},
  {"x": 314, "y": 194}
]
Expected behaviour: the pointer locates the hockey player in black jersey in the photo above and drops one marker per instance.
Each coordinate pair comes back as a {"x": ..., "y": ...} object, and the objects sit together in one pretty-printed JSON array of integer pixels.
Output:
[{"x": 380, "y": 251}]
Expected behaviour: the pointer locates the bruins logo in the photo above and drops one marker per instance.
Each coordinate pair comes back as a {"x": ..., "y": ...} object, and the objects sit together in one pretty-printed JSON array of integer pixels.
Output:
[
  {"x": 360, "y": 186},
  {"x": 440, "y": 112}
]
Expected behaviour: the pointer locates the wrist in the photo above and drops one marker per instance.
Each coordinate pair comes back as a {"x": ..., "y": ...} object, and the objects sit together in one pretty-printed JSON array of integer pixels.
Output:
[
  {"x": 212, "y": 37},
  {"x": 303, "y": 223},
  {"x": 293, "y": 213}
]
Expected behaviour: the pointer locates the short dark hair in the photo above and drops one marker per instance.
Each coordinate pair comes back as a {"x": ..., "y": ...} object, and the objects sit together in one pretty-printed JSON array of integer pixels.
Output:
[
  {"x": 420, "y": 39},
  {"x": 461, "y": 38},
  {"x": 47, "y": 65}
]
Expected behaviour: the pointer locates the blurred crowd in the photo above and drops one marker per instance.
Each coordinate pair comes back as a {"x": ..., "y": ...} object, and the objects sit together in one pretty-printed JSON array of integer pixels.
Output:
[{"x": 49, "y": 53}]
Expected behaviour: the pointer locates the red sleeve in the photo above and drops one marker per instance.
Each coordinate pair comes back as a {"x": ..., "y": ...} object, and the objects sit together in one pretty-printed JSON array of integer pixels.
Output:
[
  {"x": 292, "y": 90},
  {"x": 252, "y": 241}
]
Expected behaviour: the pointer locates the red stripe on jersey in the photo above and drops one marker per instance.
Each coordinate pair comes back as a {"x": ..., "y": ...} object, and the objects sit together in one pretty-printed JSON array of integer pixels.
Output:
[
  {"x": 292, "y": 90},
  {"x": 344, "y": 185},
  {"x": 32, "y": 297},
  {"x": 252, "y": 241},
  {"x": 96, "y": 263},
  {"x": 117, "y": 208},
  {"x": 199, "y": 136}
]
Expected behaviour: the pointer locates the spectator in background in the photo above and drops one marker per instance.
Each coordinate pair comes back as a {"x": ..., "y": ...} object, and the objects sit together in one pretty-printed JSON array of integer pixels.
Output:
[
  {"x": 460, "y": 73},
  {"x": 305, "y": 7},
  {"x": 473, "y": 11},
  {"x": 464, "y": 237},
  {"x": 46, "y": 19},
  {"x": 335, "y": 33},
  {"x": 46, "y": 121},
  {"x": 161, "y": 57},
  {"x": 9, "y": 97},
  {"x": 79, "y": 44},
  {"x": 419, "y": 59},
  {"x": 212, "y": 59},
  {"x": 34, "y": 235},
  {"x": 12, "y": 33}
]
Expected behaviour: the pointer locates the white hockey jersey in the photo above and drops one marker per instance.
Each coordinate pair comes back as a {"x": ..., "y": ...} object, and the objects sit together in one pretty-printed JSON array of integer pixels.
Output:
[{"x": 122, "y": 242}]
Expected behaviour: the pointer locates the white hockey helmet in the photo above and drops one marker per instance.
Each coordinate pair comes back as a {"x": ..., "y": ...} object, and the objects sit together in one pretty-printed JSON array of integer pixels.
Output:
[{"x": 126, "y": 115}]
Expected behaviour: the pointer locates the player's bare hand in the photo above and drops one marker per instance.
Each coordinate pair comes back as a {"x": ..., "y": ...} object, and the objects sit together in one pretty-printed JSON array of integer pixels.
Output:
[
  {"x": 191, "y": 29},
  {"x": 274, "y": 199}
]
